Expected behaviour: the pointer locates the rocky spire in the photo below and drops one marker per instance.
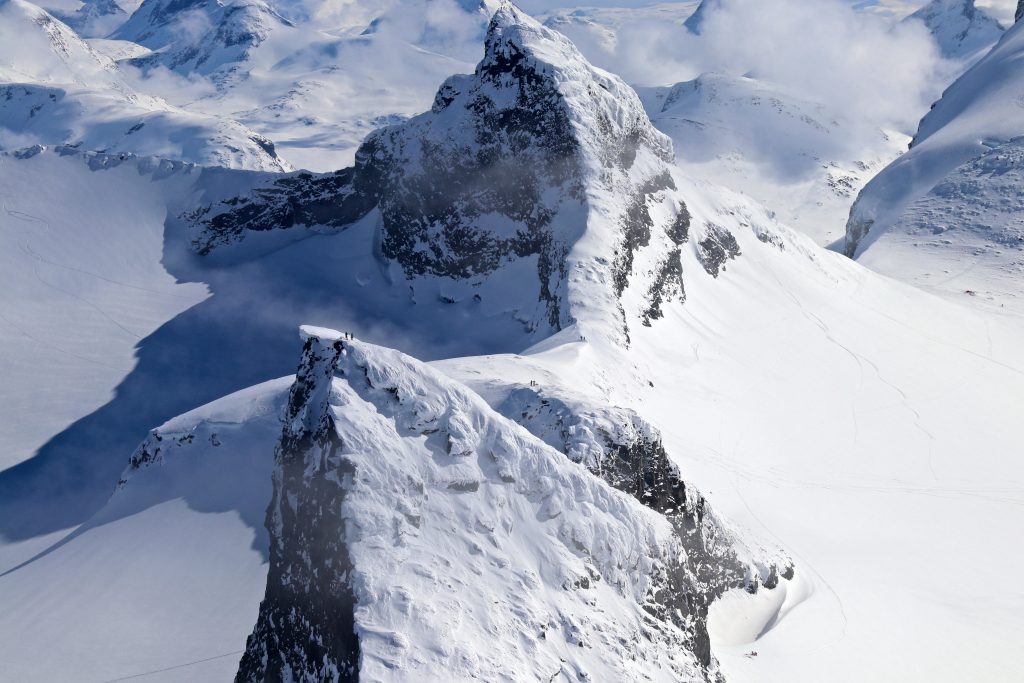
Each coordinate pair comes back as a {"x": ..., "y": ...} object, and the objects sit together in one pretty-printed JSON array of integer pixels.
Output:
[
  {"x": 306, "y": 622},
  {"x": 1020, "y": 10}
]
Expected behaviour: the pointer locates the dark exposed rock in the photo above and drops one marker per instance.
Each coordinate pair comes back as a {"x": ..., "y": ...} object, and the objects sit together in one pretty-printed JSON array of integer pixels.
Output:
[
  {"x": 332, "y": 200},
  {"x": 305, "y": 629},
  {"x": 667, "y": 286},
  {"x": 718, "y": 246}
]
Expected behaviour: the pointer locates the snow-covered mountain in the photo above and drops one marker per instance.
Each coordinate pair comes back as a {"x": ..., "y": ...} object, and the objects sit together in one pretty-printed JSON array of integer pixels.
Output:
[
  {"x": 423, "y": 492},
  {"x": 201, "y": 36},
  {"x": 802, "y": 159},
  {"x": 695, "y": 22},
  {"x": 961, "y": 29},
  {"x": 537, "y": 167},
  {"x": 95, "y": 18},
  {"x": 56, "y": 89},
  {"x": 947, "y": 215},
  {"x": 643, "y": 386}
]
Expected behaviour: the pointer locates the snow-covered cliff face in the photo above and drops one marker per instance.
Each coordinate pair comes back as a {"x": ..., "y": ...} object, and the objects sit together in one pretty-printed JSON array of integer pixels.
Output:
[
  {"x": 945, "y": 215},
  {"x": 961, "y": 29},
  {"x": 396, "y": 489}
]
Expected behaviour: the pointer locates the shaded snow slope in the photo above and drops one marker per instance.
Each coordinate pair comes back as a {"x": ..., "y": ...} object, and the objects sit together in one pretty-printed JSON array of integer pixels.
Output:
[
  {"x": 56, "y": 89},
  {"x": 168, "y": 575},
  {"x": 84, "y": 284},
  {"x": 945, "y": 215}
]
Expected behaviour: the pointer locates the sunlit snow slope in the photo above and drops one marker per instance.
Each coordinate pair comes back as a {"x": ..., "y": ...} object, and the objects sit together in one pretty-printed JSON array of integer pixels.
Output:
[{"x": 946, "y": 216}]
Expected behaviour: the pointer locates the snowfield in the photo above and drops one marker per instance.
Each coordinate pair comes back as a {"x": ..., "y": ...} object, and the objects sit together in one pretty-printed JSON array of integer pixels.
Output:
[{"x": 555, "y": 381}]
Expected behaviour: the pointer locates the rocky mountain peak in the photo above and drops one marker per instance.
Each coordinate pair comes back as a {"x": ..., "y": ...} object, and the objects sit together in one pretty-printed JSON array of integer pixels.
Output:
[
  {"x": 960, "y": 28},
  {"x": 538, "y": 161}
]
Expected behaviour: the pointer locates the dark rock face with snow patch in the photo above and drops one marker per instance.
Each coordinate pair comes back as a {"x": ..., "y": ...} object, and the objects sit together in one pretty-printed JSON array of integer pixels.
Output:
[
  {"x": 305, "y": 629},
  {"x": 625, "y": 451},
  {"x": 330, "y": 200}
]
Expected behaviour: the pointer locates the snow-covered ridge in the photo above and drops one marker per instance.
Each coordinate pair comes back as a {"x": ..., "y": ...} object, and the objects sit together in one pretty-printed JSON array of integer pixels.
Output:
[{"x": 396, "y": 489}]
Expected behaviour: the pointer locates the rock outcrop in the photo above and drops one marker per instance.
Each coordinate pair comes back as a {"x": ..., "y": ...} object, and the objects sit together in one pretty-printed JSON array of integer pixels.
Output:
[{"x": 305, "y": 630}]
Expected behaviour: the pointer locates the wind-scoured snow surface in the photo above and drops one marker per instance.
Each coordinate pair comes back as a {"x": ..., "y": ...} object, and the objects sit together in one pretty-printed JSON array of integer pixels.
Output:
[{"x": 947, "y": 214}]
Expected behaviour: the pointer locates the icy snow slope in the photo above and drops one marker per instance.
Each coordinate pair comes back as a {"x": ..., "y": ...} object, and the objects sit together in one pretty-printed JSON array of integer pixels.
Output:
[
  {"x": 946, "y": 215},
  {"x": 55, "y": 89},
  {"x": 801, "y": 159}
]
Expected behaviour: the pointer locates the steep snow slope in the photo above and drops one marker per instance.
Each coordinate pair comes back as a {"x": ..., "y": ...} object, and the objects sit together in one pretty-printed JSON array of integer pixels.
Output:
[
  {"x": 962, "y": 30},
  {"x": 851, "y": 418},
  {"x": 946, "y": 215},
  {"x": 801, "y": 159},
  {"x": 55, "y": 89}
]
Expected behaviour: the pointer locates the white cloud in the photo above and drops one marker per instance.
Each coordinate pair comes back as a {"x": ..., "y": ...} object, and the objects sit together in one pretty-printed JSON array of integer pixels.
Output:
[{"x": 866, "y": 65}]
